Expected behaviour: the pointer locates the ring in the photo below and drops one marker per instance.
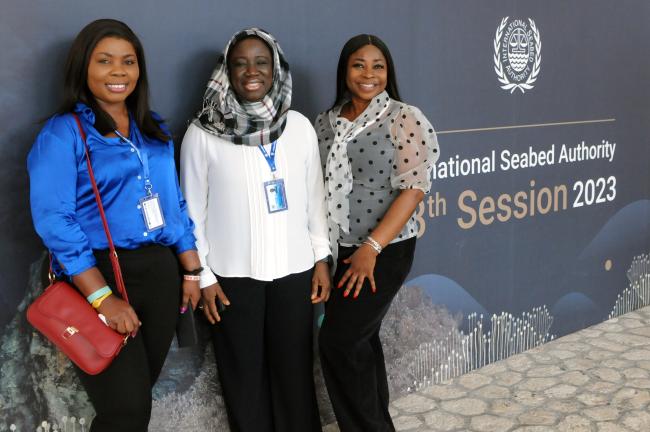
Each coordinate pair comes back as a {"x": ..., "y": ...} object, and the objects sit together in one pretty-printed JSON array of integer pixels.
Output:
[{"x": 200, "y": 306}]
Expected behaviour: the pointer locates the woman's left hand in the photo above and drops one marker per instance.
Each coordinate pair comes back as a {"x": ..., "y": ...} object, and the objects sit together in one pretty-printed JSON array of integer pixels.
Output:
[
  {"x": 191, "y": 293},
  {"x": 362, "y": 266},
  {"x": 320, "y": 283}
]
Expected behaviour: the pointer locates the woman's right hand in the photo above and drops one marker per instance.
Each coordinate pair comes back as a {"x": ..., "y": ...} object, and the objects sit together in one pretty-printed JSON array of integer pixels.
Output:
[
  {"x": 120, "y": 316},
  {"x": 210, "y": 294}
]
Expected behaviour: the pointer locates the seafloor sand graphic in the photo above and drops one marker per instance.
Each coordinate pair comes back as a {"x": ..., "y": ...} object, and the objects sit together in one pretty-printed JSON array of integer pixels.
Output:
[{"x": 39, "y": 383}]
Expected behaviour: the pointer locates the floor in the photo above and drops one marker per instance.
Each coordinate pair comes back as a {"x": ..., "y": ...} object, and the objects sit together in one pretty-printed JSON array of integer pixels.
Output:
[{"x": 597, "y": 379}]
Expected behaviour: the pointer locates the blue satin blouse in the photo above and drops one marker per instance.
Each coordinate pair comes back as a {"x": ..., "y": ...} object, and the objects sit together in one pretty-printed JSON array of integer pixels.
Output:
[{"x": 63, "y": 205}]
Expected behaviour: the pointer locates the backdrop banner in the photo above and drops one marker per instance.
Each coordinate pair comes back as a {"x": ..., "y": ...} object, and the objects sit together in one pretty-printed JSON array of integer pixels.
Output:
[{"x": 538, "y": 223}]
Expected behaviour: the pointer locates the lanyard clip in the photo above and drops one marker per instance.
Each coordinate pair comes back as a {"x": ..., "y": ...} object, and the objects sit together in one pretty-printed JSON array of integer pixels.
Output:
[{"x": 148, "y": 187}]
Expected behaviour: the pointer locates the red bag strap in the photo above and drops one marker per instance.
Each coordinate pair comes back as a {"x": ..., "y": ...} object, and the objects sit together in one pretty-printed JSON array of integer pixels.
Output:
[{"x": 115, "y": 262}]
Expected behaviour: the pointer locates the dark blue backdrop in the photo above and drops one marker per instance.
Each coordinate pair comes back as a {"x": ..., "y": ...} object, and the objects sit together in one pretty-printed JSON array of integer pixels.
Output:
[{"x": 595, "y": 64}]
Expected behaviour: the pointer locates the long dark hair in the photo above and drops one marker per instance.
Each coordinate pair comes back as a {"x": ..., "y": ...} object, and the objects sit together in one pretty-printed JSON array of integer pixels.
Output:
[
  {"x": 75, "y": 85},
  {"x": 352, "y": 45}
]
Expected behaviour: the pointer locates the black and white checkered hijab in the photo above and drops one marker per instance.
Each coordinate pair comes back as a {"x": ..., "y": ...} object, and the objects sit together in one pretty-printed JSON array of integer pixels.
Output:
[{"x": 247, "y": 123}]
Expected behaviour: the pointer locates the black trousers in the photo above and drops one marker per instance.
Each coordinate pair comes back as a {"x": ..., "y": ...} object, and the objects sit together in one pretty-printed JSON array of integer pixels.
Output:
[
  {"x": 121, "y": 395},
  {"x": 263, "y": 347},
  {"x": 350, "y": 350}
]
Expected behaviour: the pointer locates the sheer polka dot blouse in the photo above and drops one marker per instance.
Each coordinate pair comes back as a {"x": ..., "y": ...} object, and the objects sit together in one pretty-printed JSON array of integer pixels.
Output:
[{"x": 366, "y": 162}]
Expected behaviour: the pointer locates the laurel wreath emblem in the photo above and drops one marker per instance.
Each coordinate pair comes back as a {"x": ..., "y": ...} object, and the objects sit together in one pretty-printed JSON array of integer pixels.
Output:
[{"x": 498, "y": 67}]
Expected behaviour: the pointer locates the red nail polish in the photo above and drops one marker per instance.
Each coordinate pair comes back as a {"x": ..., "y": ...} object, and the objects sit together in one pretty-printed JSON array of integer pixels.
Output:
[{"x": 345, "y": 294}]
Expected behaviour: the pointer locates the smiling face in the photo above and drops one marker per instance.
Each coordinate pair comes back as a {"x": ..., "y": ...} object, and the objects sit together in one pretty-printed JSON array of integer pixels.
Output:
[
  {"x": 113, "y": 71},
  {"x": 366, "y": 73},
  {"x": 250, "y": 64}
]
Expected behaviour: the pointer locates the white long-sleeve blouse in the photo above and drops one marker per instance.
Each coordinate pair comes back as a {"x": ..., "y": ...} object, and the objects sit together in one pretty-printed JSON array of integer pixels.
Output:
[{"x": 223, "y": 185}]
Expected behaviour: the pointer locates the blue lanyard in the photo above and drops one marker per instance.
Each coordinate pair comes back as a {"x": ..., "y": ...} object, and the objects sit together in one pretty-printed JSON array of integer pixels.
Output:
[
  {"x": 143, "y": 156},
  {"x": 270, "y": 158}
]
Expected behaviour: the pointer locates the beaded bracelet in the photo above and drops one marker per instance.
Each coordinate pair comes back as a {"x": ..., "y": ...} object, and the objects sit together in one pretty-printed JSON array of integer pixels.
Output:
[
  {"x": 99, "y": 293},
  {"x": 188, "y": 277}
]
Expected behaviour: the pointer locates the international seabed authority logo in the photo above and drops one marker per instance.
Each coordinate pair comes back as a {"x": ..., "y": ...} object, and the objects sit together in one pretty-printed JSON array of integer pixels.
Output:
[{"x": 517, "y": 54}]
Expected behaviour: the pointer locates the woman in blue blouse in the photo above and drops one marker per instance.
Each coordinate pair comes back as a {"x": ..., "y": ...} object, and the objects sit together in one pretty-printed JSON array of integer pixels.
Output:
[{"x": 133, "y": 160}]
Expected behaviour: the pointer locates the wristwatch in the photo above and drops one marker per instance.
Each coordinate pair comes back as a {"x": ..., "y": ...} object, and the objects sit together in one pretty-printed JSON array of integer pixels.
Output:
[
  {"x": 195, "y": 272},
  {"x": 329, "y": 260}
]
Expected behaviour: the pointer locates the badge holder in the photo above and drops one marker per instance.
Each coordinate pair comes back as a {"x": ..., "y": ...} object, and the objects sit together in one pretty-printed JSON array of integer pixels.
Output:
[
  {"x": 276, "y": 197},
  {"x": 151, "y": 211}
]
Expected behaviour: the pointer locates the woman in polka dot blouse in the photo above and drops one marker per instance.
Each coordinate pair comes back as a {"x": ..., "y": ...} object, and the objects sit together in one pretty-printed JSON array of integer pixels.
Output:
[{"x": 377, "y": 155}]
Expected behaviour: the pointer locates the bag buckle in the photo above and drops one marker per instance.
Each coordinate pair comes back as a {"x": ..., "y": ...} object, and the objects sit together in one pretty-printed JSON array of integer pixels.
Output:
[{"x": 69, "y": 331}]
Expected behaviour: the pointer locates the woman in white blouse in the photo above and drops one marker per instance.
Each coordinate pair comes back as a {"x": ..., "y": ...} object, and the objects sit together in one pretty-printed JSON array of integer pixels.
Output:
[
  {"x": 250, "y": 172},
  {"x": 378, "y": 153}
]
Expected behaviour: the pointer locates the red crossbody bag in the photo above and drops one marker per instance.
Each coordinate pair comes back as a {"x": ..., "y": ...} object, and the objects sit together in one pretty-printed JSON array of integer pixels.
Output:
[{"x": 63, "y": 315}]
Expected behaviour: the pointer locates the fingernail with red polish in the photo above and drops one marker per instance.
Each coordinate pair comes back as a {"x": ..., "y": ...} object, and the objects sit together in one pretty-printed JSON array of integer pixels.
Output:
[{"x": 345, "y": 294}]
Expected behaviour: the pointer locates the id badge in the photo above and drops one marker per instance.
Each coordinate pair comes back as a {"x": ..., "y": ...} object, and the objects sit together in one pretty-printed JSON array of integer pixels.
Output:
[
  {"x": 276, "y": 197},
  {"x": 151, "y": 212}
]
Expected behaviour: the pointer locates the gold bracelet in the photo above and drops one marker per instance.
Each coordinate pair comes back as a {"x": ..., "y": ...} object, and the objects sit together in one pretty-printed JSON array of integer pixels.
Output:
[{"x": 97, "y": 303}]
